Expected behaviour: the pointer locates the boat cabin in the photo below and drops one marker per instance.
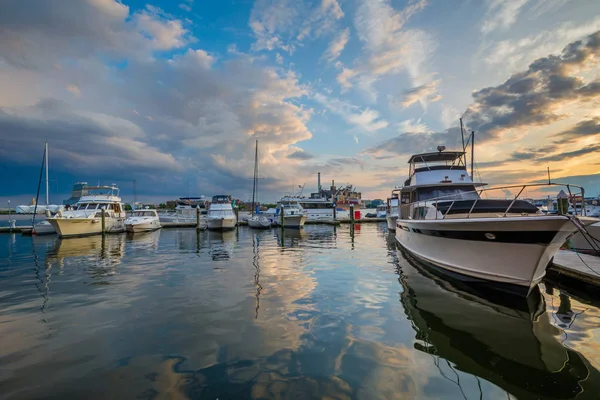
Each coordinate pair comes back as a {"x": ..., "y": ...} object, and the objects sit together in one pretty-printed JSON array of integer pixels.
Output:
[{"x": 221, "y": 199}]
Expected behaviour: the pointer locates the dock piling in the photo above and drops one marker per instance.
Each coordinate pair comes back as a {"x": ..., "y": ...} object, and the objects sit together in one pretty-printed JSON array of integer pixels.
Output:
[
  {"x": 282, "y": 219},
  {"x": 352, "y": 213},
  {"x": 103, "y": 217},
  {"x": 197, "y": 219},
  {"x": 236, "y": 210}
]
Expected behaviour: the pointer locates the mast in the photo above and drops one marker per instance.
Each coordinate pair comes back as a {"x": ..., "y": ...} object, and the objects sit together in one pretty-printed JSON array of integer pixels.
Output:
[
  {"x": 255, "y": 172},
  {"x": 472, "y": 154},
  {"x": 47, "y": 192},
  {"x": 462, "y": 136}
]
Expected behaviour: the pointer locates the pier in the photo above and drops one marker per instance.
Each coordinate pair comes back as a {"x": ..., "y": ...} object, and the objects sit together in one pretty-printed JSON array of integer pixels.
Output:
[{"x": 578, "y": 268}]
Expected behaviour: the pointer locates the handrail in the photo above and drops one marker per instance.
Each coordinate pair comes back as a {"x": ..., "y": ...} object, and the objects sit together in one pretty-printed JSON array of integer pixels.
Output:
[{"x": 480, "y": 191}]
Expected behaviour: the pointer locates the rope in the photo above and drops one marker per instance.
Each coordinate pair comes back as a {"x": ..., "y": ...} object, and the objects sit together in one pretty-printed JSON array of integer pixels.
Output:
[{"x": 581, "y": 228}]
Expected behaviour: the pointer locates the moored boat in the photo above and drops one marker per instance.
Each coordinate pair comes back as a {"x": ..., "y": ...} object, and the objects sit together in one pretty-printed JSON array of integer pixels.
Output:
[
  {"x": 86, "y": 217},
  {"x": 445, "y": 221},
  {"x": 220, "y": 214},
  {"x": 393, "y": 204},
  {"x": 293, "y": 214},
  {"x": 142, "y": 221},
  {"x": 257, "y": 220}
]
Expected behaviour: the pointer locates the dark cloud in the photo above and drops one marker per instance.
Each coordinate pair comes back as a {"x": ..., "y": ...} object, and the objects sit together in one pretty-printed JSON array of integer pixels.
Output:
[
  {"x": 588, "y": 127},
  {"x": 301, "y": 155},
  {"x": 530, "y": 98},
  {"x": 408, "y": 143},
  {"x": 531, "y": 153},
  {"x": 570, "y": 154}
]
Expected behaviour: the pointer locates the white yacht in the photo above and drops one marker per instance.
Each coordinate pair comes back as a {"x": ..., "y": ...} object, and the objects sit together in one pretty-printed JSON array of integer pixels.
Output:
[
  {"x": 449, "y": 221},
  {"x": 381, "y": 211},
  {"x": 220, "y": 214},
  {"x": 185, "y": 210},
  {"x": 86, "y": 217},
  {"x": 392, "y": 209},
  {"x": 256, "y": 219},
  {"x": 293, "y": 214},
  {"x": 142, "y": 221}
]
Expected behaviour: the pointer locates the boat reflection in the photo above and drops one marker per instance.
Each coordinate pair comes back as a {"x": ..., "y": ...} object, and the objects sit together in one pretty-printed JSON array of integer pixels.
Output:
[
  {"x": 290, "y": 238},
  {"x": 144, "y": 240},
  {"x": 99, "y": 254},
  {"x": 220, "y": 244},
  {"x": 506, "y": 340}
]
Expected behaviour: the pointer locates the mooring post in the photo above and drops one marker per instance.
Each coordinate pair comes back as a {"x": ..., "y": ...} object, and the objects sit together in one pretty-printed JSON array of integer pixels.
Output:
[
  {"x": 282, "y": 219},
  {"x": 236, "y": 210},
  {"x": 334, "y": 212},
  {"x": 352, "y": 214},
  {"x": 197, "y": 219},
  {"x": 103, "y": 216}
]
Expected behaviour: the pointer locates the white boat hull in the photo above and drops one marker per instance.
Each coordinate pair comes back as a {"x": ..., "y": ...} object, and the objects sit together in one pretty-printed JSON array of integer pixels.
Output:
[
  {"x": 259, "y": 222},
  {"x": 44, "y": 228},
  {"x": 291, "y": 221},
  {"x": 514, "y": 251},
  {"x": 86, "y": 226},
  {"x": 587, "y": 244},
  {"x": 391, "y": 222},
  {"x": 143, "y": 226},
  {"x": 220, "y": 224}
]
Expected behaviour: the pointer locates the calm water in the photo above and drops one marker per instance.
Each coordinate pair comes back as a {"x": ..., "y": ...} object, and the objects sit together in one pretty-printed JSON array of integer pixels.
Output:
[{"x": 250, "y": 314}]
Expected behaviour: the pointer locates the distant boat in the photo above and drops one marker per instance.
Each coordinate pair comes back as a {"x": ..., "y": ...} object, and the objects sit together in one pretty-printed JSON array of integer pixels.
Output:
[
  {"x": 257, "y": 221},
  {"x": 392, "y": 210},
  {"x": 186, "y": 210},
  {"x": 220, "y": 214}
]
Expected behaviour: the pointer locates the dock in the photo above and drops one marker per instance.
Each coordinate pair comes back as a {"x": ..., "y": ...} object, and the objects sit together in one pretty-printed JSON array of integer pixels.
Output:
[
  {"x": 577, "y": 266},
  {"x": 16, "y": 229}
]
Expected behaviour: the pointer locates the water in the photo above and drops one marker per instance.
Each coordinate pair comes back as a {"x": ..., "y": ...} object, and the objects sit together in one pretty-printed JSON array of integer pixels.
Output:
[{"x": 246, "y": 314}]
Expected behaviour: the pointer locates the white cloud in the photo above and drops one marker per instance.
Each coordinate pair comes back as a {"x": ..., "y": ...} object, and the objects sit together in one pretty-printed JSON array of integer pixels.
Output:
[
  {"x": 165, "y": 33},
  {"x": 501, "y": 14},
  {"x": 344, "y": 78},
  {"x": 185, "y": 7},
  {"x": 366, "y": 119},
  {"x": 74, "y": 89},
  {"x": 413, "y": 125},
  {"x": 337, "y": 45},
  {"x": 278, "y": 58},
  {"x": 514, "y": 55},
  {"x": 422, "y": 93}
]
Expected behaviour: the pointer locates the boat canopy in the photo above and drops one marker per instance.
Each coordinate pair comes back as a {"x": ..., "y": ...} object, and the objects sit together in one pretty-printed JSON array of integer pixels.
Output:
[
  {"x": 221, "y": 198},
  {"x": 437, "y": 156}
]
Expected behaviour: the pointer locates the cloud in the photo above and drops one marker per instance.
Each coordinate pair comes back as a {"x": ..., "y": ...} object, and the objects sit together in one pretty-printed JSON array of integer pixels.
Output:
[
  {"x": 583, "y": 129},
  {"x": 501, "y": 14},
  {"x": 366, "y": 119},
  {"x": 301, "y": 155},
  {"x": 74, "y": 89},
  {"x": 533, "y": 97},
  {"x": 513, "y": 55},
  {"x": 165, "y": 33},
  {"x": 337, "y": 45},
  {"x": 185, "y": 7},
  {"x": 284, "y": 24},
  {"x": 570, "y": 154},
  {"x": 408, "y": 143},
  {"x": 422, "y": 94},
  {"x": 344, "y": 78}
]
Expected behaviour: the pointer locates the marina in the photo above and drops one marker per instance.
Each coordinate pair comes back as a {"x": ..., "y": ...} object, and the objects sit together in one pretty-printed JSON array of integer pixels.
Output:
[{"x": 336, "y": 311}]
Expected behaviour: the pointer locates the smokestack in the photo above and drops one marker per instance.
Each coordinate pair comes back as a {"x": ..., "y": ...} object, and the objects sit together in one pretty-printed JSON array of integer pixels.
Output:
[{"x": 319, "y": 183}]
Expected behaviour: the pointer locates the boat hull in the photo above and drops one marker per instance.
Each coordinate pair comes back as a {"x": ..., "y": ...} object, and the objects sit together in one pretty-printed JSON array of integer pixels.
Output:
[
  {"x": 512, "y": 251},
  {"x": 291, "y": 221},
  {"x": 391, "y": 222},
  {"x": 220, "y": 224},
  {"x": 44, "y": 228},
  {"x": 259, "y": 223},
  {"x": 66, "y": 227},
  {"x": 143, "y": 226},
  {"x": 587, "y": 244}
]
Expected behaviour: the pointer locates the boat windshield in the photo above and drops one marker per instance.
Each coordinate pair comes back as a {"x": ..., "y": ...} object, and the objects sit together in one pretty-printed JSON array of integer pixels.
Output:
[
  {"x": 143, "y": 213},
  {"x": 447, "y": 193}
]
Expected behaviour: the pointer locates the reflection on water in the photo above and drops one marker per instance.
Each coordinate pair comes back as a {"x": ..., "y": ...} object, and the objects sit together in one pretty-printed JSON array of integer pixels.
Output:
[{"x": 314, "y": 313}]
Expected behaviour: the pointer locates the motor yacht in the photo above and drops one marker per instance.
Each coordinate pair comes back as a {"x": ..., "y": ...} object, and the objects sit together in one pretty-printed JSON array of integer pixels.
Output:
[
  {"x": 220, "y": 214},
  {"x": 450, "y": 221},
  {"x": 86, "y": 217},
  {"x": 381, "y": 211},
  {"x": 293, "y": 214},
  {"x": 392, "y": 208},
  {"x": 142, "y": 221},
  {"x": 186, "y": 210}
]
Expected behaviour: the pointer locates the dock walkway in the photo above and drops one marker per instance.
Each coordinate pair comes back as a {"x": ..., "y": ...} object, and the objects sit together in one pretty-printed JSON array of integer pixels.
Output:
[{"x": 570, "y": 264}]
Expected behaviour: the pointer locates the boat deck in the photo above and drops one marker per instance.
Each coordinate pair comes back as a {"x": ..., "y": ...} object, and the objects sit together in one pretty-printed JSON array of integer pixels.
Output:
[{"x": 573, "y": 265}]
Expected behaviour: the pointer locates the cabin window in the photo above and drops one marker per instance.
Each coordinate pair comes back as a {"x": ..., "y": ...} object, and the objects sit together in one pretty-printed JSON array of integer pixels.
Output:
[
  {"x": 447, "y": 193},
  {"x": 419, "y": 212}
]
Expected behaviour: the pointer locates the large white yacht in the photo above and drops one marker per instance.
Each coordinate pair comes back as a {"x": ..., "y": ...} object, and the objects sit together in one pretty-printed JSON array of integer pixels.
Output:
[
  {"x": 392, "y": 210},
  {"x": 220, "y": 214},
  {"x": 449, "y": 221},
  {"x": 142, "y": 221},
  {"x": 86, "y": 216},
  {"x": 293, "y": 214}
]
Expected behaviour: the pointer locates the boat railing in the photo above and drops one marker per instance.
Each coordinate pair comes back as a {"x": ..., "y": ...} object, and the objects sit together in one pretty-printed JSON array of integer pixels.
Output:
[{"x": 405, "y": 209}]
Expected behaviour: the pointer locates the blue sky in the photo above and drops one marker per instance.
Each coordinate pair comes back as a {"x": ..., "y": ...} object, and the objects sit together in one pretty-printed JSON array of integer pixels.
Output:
[{"x": 174, "y": 93}]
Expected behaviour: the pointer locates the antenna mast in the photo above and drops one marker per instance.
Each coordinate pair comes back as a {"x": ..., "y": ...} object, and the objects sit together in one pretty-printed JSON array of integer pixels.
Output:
[
  {"x": 47, "y": 194},
  {"x": 472, "y": 154}
]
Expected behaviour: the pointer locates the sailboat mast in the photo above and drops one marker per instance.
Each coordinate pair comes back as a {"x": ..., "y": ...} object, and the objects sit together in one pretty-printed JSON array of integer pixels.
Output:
[
  {"x": 47, "y": 192},
  {"x": 254, "y": 180}
]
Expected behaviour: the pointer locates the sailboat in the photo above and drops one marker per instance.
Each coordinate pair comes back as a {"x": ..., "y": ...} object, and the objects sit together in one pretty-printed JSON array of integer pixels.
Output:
[
  {"x": 44, "y": 227},
  {"x": 257, "y": 221}
]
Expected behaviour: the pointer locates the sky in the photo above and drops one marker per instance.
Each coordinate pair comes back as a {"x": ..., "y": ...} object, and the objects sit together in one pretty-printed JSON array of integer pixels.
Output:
[{"x": 174, "y": 93}]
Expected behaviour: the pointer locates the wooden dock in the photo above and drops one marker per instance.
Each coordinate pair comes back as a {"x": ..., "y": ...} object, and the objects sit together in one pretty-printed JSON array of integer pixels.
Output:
[
  {"x": 16, "y": 229},
  {"x": 577, "y": 266}
]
